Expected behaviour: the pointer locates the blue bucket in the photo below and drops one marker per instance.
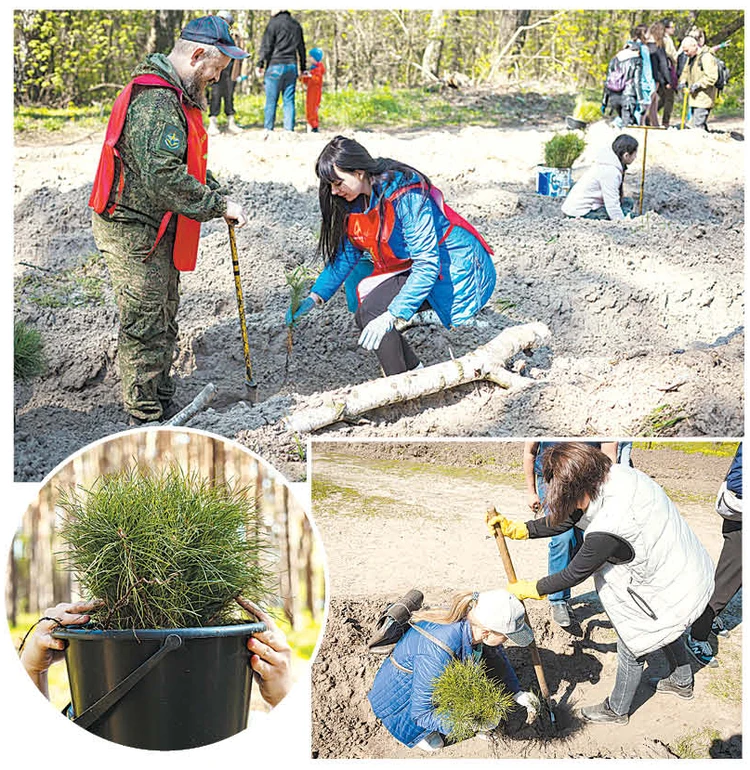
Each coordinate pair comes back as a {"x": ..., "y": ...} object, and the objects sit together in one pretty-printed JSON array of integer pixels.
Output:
[{"x": 553, "y": 182}]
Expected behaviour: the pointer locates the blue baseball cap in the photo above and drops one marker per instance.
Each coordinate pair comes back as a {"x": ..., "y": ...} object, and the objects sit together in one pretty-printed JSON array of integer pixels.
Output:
[
  {"x": 316, "y": 53},
  {"x": 213, "y": 30}
]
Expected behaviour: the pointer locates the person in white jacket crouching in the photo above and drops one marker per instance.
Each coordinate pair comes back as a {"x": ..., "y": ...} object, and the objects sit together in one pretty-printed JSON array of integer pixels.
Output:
[
  {"x": 598, "y": 193},
  {"x": 651, "y": 573}
]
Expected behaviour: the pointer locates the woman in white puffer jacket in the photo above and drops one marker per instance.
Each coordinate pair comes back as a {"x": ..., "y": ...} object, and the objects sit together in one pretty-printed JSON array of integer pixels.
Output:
[
  {"x": 598, "y": 194},
  {"x": 652, "y": 574}
]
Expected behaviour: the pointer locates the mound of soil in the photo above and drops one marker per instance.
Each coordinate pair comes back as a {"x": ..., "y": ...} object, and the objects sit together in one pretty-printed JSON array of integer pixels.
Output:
[{"x": 646, "y": 315}]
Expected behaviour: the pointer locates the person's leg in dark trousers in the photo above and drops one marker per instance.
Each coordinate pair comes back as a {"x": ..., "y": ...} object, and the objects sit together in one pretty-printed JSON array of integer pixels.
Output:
[
  {"x": 629, "y": 671},
  {"x": 727, "y": 579},
  {"x": 680, "y": 672},
  {"x": 395, "y": 354}
]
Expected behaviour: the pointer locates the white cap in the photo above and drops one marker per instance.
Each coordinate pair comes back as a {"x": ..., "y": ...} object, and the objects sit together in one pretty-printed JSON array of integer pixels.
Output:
[{"x": 503, "y": 613}]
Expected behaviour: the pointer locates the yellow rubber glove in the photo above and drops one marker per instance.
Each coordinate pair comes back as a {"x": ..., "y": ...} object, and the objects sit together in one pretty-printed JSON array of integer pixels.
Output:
[
  {"x": 524, "y": 589},
  {"x": 515, "y": 530}
]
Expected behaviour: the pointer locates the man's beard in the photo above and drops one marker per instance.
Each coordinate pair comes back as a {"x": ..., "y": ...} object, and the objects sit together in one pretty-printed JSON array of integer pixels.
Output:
[{"x": 195, "y": 87}]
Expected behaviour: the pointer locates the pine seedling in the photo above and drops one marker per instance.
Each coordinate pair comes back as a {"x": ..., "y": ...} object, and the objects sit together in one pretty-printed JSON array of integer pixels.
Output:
[
  {"x": 563, "y": 149},
  {"x": 165, "y": 549},
  {"x": 296, "y": 280},
  {"x": 28, "y": 361},
  {"x": 466, "y": 699}
]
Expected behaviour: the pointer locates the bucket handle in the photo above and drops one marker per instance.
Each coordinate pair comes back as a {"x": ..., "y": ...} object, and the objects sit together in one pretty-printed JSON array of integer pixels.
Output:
[{"x": 97, "y": 710}]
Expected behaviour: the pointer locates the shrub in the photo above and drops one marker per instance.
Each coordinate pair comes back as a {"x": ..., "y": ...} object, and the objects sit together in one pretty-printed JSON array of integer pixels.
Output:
[
  {"x": 28, "y": 360},
  {"x": 468, "y": 700},
  {"x": 165, "y": 549},
  {"x": 562, "y": 150},
  {"x": 587, "y": 111}
]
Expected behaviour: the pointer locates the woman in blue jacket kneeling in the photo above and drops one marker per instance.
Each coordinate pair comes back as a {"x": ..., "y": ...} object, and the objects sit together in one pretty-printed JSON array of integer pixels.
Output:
[
  {"x": 476, "y": 625},
  {"x": 387, "y": 232}
]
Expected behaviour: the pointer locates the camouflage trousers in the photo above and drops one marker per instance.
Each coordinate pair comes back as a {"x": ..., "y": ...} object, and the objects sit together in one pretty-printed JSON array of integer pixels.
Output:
[{"x": 147, "y": 295}]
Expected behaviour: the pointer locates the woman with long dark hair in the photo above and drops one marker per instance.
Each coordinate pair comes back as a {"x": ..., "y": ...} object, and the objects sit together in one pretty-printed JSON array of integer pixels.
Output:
[
  {"x": 476, "y": 625},
  {"x": 651, "y": 573},
  {"x": 387, "y": 232},
  {"x": 598, "y": 194},
  {"x": 660, "y": 69}
]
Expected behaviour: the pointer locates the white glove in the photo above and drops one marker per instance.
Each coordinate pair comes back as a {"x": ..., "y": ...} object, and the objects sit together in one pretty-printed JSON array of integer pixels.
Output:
[
  {"x": 529, "y": 701},
  {"x": 372, "y": 335}
]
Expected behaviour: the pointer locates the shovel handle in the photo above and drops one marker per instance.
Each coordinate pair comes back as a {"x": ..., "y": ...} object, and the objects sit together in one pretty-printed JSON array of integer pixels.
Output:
[
  {"x": 510, "y": 572},
  {"x": 249, "y": 380}
]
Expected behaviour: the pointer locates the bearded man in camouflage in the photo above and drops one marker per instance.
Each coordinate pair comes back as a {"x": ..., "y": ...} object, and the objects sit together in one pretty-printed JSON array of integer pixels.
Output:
[{"x": 152, "y": 190}]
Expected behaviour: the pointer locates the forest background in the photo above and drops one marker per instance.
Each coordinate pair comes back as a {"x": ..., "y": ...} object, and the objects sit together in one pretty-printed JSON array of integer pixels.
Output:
[{"x": 383, "y": 65}]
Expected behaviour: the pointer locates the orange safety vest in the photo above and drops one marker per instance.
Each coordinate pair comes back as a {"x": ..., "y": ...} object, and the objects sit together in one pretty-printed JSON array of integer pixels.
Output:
[
  {"x": 185, "y": 250},
  {"x": 367, "y": 232}
]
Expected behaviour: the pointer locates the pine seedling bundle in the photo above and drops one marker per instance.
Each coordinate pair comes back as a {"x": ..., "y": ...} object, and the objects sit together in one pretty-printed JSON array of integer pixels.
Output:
[
  {"x": 563, "y": 149},
  {"x": 165, "y": 549},
  {"x": 467, "y": 699}
]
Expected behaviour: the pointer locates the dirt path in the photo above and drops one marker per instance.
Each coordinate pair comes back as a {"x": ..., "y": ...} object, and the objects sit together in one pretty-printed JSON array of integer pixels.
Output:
[
  {"x": 646, "y": 316},
  {"x": 392, "y": 520}
]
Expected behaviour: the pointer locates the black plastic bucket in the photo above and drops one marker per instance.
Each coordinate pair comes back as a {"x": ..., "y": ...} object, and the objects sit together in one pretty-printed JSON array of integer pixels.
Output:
[{"x": 160, "y": 688}]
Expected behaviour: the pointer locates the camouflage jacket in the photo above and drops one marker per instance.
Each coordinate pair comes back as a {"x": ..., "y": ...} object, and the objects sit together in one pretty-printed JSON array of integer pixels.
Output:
[{"x": 155, "y": 170}]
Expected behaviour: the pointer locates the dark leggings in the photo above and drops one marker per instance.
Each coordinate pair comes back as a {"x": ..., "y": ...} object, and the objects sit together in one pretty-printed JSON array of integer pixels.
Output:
[
  {"x": 728, "y": 579},
  {"x": 395, "y": 354}
]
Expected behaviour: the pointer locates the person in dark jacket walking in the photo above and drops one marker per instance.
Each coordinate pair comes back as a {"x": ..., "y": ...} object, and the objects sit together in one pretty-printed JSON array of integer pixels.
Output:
[
  {"x": 476, "y": 626},
  {"x": 728, "y": 576},
  {"x": 282, "y": 59},
  {"x": 388, "y": 230},
  {"x": 661, "y": 70}
]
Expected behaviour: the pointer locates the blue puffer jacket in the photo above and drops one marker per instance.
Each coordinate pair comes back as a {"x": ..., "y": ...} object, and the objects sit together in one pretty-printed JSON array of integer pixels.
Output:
[
  {"x": 456, "y": 277},
  {"x": 402, "y": 701}
]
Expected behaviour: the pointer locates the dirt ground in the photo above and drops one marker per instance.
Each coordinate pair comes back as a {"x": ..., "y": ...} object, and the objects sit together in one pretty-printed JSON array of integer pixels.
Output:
[
  {"x": 396, "y": 517},
  {"x": 646, "y": 316}
]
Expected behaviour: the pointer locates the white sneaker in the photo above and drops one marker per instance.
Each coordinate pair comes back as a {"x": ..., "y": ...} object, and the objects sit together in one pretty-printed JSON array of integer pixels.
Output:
[
  {"x": 213, "y": 127},
  {"x": 232, "y": 127},
  {"x": 718, "y": 627},
  {"x": 431, "y": 742}
]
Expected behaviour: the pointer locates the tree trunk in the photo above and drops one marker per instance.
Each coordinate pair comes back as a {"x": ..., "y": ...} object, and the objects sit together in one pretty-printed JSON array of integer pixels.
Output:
[
  {"x": 485, "y": 363},
  {"x": 434, "y": 48},
  {"x": 164, "y": 26}
]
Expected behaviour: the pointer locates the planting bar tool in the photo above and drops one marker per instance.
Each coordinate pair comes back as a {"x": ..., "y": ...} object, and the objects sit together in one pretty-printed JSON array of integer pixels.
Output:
[
  {"x": 96, "y": 711},
  {"x": 250, "y": 384},
  {"x": 645, "y": 129},
  {"x": 684, "y": 108},
  {"x": 510, "y": 572}
]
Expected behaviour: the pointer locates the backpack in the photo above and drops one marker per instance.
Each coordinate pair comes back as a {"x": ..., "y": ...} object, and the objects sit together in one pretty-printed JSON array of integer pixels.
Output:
[
  {"x": 723, "y": 77},
  {"x": 616, "y": 77}
]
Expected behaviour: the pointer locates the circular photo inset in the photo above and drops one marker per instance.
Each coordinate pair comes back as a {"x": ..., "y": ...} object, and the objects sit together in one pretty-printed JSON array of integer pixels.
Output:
[{"x": 178, "y": 578}]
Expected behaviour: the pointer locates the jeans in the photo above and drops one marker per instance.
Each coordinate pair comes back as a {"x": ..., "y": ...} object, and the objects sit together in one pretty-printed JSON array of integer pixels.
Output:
[
  {"x": 280, "y": 79},
  {"x": 562, "y": 548},
  {"x": 630, "y": 669},
  {"x": 700, "y": 118},
  {"x": 627, "y": 205}
]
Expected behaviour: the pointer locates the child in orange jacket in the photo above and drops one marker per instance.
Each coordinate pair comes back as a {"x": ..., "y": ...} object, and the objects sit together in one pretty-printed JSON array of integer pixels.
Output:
[{"x": 313, "y": 80}]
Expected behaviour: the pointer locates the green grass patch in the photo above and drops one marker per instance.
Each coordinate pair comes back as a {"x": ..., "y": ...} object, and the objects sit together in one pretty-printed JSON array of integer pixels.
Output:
[
  {"x": 661, "y": 421},
  {"x": 726, "y": 681},
  {"x": 72, "y": 287},
  {"x": 323, "y": 489},
  {"x": 28, "y": 360},
  {"x": 28, "y": 120},
  {"x": 710, "y": 448},
  {"x": 479, "y": 467},
  {"x": 696, "y": 745}
]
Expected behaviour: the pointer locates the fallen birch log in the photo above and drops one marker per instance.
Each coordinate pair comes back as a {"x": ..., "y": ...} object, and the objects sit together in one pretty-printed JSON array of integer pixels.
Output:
[
  {"x": 485, "y": 363},
  {"x": 200, "y": 402}
]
